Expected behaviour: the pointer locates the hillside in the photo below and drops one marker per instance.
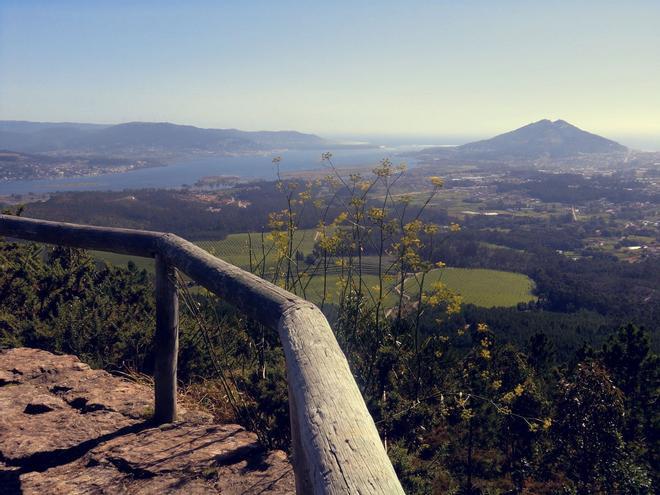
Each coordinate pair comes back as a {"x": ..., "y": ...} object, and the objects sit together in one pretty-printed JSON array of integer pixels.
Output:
[
  {"x": 545, "y": 138},
  {"x": 135, "y": 137},
  {"x": 171, "y": 137}
]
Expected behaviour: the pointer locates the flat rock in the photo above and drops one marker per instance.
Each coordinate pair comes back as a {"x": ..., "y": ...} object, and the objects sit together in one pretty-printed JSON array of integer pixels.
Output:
[{"x": 68, "y": 429}]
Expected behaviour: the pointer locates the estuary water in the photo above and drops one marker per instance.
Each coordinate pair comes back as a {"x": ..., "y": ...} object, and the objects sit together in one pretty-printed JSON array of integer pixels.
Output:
[{"x": 190, "y": 171}]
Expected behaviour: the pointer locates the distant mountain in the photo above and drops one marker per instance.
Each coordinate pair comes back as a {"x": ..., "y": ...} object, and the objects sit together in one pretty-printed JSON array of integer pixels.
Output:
[
  {"x": 142, "y": 137},
  {"x": 42, "y": 136},
  {"x": 25, "y": 126},
  {"x": 544, "y": 138}
]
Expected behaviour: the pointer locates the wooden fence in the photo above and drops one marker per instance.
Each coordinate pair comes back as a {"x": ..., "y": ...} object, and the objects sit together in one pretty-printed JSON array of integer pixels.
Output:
[{"x": 336, "y": 447}]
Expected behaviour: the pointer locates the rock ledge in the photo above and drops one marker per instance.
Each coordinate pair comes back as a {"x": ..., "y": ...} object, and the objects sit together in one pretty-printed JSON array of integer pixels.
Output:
[{"x": 68, "y": 429}]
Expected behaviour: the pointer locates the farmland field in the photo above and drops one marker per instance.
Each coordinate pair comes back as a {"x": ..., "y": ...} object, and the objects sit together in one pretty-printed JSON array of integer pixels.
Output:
[
  {"x": 481, "y": 287},
  {"x": 487, "y": 288},
  {"x": 314, "y": 289},
  {"x": 233, "y": 249},
  {"x": 123, "y": 259}
]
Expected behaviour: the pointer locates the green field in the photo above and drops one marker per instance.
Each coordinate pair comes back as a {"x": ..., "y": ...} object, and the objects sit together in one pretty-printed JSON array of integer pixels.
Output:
[
  {"x": 233, "y": 249},
  {"x": 123, "y": 259},
  {"x": 487, "y": 288},
  {"x": 481, "y": 287},
  {"x": 314, "y": 289},
  {"x": 236, "y": 248}
]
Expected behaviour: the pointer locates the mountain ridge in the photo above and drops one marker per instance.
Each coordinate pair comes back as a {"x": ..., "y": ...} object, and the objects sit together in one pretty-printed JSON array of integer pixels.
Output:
[{"x": 35, "y": 137}]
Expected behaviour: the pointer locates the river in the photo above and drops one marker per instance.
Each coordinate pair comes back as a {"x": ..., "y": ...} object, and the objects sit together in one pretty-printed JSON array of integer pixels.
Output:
[{"x": 190, "y": 171}]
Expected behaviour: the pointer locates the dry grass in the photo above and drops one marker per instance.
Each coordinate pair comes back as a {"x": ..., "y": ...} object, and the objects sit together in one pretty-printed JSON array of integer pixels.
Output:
[{"x": 206, "y": 396}]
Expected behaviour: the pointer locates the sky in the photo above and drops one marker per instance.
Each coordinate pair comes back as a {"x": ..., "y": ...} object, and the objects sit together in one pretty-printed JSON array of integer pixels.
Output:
[{"x": 336, "y": 67}]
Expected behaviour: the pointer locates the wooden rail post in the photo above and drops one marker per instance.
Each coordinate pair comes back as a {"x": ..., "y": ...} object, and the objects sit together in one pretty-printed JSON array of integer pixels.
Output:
[
  {"x": 166, "y": 342},
  {"x": 336, "y": 445}
]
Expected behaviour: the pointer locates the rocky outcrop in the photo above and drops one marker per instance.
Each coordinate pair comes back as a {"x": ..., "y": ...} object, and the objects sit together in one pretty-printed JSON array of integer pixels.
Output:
[{"x": 68, "y": 429}]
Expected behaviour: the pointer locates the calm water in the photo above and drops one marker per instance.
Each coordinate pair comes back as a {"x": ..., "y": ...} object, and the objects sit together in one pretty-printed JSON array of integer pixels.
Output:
[{"x": 189, "y": 172}]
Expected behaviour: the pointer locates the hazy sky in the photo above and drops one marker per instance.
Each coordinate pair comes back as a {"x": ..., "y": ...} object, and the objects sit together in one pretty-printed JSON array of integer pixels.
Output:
[{"x": 408, "y": 67}]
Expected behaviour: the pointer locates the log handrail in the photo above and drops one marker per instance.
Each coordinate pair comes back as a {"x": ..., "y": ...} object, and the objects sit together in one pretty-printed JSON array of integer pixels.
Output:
[{"x": 335, "y": 444}]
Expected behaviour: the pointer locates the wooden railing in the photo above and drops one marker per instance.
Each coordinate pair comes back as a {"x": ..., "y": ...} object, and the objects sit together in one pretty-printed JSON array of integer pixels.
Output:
[{"x": 336, "y": 447}]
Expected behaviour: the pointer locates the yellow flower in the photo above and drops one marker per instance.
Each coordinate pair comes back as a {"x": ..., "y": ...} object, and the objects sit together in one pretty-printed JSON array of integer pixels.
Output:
[
  {"x": 518, "y": 390},
  {"x": 485, "y": 353},
  {"x": 454, "y": 306},
  {"x": 547, "y": 423},
  {"x": 430, "y": 228},
  {"x": 385, "y": 169},
  {"x": 437, "y": 181},
  {"x": 356, "y": 202},
  {"x": 454, "y": 227},
  {"x": 431, "y": 300},
  {"x": 482, "y": 327},
  {"x": 441, "y": 264},
  {"x": 340, "y": 218},
  {"x": 466, "y": 414},
  {"x": 377, "y": 213},
  {"x": 412, "y": 227}
]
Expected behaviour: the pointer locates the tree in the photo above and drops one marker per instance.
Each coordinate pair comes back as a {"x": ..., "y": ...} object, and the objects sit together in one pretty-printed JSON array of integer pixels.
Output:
[
  {"x": 634, "y": 369},
  {"x": 590, "y": 420}
]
